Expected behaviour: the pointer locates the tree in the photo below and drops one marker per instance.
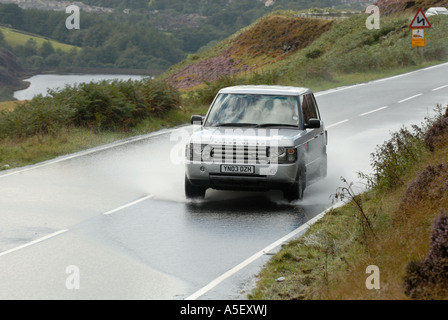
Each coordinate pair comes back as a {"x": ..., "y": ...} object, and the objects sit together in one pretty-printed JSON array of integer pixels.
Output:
[
  {"x": 30, "y": 48},
  {"x": 46, "y": 49},
  {"x": 11, "y": 14}
]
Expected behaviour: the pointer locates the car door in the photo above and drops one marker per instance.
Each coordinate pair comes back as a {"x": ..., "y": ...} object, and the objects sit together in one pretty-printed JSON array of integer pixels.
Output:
[{"x": 315, "y": 158}]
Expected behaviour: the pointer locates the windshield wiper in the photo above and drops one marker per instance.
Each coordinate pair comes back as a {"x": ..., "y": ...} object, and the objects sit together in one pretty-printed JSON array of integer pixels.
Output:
[
  {"x": 263, "y": 125},
  {"x": 234, "y": 125}
]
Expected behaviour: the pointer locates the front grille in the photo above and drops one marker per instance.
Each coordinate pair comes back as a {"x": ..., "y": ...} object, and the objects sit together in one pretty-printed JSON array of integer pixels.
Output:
[{"x": 242, "y": 154}]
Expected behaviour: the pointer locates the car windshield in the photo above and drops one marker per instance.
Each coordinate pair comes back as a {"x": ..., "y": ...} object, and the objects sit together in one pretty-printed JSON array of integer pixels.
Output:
[{"x": 254, "y": 110}]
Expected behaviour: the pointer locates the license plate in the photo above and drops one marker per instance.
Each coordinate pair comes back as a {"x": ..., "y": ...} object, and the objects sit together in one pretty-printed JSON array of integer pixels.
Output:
[{"x": 230, "y": 168}]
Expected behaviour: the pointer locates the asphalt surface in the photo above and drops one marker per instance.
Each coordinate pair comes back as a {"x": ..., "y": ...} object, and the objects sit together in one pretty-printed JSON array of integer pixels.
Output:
[{"x": 113, "y": 222}]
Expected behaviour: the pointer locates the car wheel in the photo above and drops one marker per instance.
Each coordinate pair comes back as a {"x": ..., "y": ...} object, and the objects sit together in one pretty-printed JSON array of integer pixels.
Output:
[
  {"x": 193, "y": 192},
  {"x": 295, "y": 192}
]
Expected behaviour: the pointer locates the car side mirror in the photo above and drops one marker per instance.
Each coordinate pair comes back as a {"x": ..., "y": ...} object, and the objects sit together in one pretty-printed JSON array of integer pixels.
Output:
[
  {"x": 313, "y": 124},
  {"x": 196, "y": 119}
]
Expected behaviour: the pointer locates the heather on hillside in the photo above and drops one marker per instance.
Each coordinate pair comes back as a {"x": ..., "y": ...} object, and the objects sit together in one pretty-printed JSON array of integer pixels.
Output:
[{"x": 428, "y": 278}]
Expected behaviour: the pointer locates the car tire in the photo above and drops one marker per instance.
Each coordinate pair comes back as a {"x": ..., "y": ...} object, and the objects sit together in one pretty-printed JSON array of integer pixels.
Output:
[
  {"x": 296, "y": 191},
  {"x": 193, "y": 192}
]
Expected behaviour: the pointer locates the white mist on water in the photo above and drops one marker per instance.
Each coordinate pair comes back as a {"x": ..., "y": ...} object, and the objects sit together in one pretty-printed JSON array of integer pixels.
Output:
[{"x": 154, "y": 172}]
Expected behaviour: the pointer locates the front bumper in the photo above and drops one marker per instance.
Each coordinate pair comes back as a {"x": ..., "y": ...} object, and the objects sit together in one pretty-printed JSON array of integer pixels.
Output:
[{"x": 265, "y": 177}]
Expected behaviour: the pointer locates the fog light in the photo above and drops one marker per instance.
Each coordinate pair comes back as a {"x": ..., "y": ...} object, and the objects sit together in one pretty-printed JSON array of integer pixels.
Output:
[{"x": 202, "y": 168}]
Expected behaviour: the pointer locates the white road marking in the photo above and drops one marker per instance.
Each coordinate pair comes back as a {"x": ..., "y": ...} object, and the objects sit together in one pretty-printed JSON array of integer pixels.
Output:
[
  {"x": 65, "y": 230},
  {"x": 376, "y": 110},
  {"x": 259, "y": 254},
  {"x": 337, "y": 123},
  {"x": 417, "y": 95},
  {"x": 130, "y": 204},
  {"x": 442, "y": 87},
  {"x": 33, "y": 242}
]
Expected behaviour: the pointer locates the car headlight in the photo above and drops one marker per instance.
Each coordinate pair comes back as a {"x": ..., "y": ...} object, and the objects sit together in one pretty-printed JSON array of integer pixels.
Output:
[
  {"x": 283, "y": 155},
  {"x": 193, "y": 151},
  {"x": 198, "y": 152}
]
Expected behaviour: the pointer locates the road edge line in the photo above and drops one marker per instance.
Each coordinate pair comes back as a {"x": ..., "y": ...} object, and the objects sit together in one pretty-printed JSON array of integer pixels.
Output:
[{"x": 304, "y": 227}]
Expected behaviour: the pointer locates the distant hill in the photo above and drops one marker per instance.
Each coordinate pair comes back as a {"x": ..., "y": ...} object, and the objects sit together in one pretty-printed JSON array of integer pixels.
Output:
[{"x": 55, "y": 5}]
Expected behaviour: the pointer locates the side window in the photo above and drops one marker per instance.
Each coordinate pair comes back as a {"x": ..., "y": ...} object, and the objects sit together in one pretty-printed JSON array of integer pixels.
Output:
[
  {"x": 309, "y": 108},
  {"x": 315, "y": 106}
]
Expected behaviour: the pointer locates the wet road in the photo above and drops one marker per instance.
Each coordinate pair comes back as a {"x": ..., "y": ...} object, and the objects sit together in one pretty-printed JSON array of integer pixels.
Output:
[{"x": 113, "y": 222}]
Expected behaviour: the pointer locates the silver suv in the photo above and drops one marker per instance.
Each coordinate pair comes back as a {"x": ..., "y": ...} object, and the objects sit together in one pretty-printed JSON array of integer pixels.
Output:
[{"x": 257, "y": 138}]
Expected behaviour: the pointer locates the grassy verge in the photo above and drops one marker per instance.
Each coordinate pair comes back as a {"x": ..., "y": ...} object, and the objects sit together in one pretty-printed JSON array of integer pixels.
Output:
[{"x": 401, "y": 239}]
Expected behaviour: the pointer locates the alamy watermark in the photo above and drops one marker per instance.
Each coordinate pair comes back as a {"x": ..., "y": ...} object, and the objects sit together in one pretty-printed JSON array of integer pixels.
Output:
[
  {"x": 373, "y": 21},
  {"x": 72, "y": 282},
  {"x": 373, "y": 281},
  {"x": 74, "y": 20}
]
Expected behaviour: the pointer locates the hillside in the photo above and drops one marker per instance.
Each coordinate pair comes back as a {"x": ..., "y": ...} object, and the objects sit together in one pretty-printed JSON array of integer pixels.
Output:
[
  {"x": 272, "y": 39},
  {"x": 285, "y": 48},
  {"x": 16, "y": 38}
]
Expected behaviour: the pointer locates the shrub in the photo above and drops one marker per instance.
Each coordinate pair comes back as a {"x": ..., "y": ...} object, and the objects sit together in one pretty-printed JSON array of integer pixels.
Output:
[
  {"x": 102, "y": 106},
  {"x": 107, "y": 105},
  {"x": 428, "y": 279},
  {"x": 431, "y": 184},
  {"x": 436, "y": 134},
  {"x": 40, "y": 115},
  {"x": 394, "y": 157},
  {"x": 157, "y": 96}
]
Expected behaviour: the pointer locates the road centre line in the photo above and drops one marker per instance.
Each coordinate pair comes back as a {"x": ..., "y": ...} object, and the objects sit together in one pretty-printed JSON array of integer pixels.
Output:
[
  {"x": 337, "y": 123},
  {"x": 33, "y": 242},
  {"x": 442, "y": 87},
  {"x": 130, "y": 204},
  {"x": 376, "y": 110},
  {"x": 260, "y": 253},
  {"x": 417, "y": 95},
  {"x": 65, "y": 230}
]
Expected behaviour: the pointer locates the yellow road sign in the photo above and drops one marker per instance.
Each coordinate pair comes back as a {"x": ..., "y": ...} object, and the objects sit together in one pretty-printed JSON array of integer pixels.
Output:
[{"x": 418, "y": 37}]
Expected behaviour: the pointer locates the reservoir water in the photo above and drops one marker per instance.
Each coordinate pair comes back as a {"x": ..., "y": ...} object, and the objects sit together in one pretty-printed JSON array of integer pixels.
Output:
[{"x": 39, "y": 84}]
